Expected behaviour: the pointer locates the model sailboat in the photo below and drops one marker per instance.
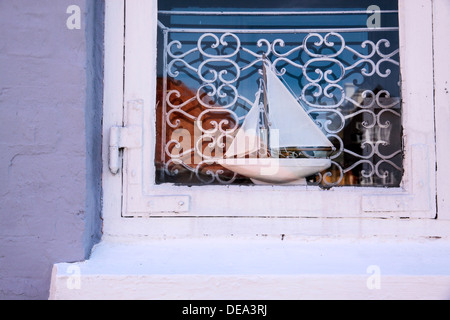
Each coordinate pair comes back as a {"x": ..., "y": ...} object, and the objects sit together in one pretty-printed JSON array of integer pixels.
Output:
[{"x": 276, "y": 124}]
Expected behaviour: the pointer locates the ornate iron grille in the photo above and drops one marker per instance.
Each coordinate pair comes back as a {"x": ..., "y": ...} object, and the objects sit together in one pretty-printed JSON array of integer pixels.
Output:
[{"x": 347, "y": 79}]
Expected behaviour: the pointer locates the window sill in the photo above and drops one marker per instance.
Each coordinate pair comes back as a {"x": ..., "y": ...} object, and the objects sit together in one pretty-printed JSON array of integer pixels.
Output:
[{"x": 264, "y": 268}]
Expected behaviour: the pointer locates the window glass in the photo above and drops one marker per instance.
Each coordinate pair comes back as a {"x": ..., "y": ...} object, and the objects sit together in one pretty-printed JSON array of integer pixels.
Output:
[{"x": 319, "y": 80}]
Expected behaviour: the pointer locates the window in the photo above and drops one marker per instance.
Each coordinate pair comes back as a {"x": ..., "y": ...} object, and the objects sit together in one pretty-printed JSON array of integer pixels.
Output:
[
  {"x": 341, "y": 67},
  {"x": 384, "y": 159},
  {"x": 138, "y": 211}
]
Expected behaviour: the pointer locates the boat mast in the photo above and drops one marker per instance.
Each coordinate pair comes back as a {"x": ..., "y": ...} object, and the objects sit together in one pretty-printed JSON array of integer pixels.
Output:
[{"x": 265, "y": 121}]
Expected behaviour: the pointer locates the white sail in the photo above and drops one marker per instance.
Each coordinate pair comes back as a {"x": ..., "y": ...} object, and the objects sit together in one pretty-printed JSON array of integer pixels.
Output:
[
  {"x": 296, "y": 128},
  {"x": 247, "y": 139}
]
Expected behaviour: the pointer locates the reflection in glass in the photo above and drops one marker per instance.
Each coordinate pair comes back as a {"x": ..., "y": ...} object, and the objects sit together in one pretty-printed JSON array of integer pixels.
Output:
[{"x": 344, "y": 75}]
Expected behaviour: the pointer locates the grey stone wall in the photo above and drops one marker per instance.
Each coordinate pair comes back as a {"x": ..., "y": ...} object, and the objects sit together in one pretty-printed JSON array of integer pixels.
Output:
[{"x": 50, "y": 133}]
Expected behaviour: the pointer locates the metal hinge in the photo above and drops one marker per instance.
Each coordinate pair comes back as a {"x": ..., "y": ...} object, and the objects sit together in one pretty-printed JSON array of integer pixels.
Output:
[{"x": 129, "y": 137}]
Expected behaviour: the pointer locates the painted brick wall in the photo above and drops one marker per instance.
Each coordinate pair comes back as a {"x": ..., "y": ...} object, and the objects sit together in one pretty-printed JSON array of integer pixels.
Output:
[{"x": 50, "y": 157}]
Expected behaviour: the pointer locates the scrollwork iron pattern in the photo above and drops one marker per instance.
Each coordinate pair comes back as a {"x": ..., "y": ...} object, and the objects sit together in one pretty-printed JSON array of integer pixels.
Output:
[{"x": 325, "y": 67}]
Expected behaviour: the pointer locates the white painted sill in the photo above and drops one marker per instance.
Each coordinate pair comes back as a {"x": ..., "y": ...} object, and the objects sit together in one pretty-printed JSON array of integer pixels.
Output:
[{"x": 259, "y": 268}]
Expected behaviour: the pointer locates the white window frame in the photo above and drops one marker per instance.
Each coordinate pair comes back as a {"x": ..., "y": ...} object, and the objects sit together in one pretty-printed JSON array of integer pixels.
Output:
[{"x": 133, "y": 205}]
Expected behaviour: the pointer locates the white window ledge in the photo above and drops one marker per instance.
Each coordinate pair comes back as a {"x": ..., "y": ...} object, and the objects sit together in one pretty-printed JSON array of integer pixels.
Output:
[{"x": 259, "y": 268}]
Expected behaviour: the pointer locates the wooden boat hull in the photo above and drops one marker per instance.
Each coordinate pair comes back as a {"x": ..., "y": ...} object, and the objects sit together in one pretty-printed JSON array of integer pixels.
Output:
[{"x": 275, "y": 170}]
